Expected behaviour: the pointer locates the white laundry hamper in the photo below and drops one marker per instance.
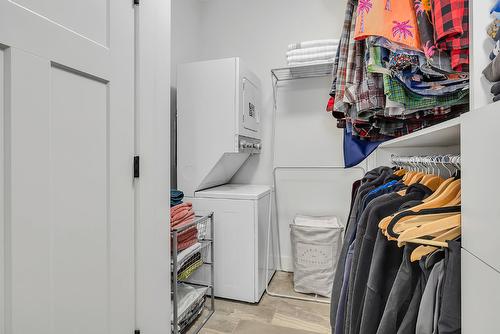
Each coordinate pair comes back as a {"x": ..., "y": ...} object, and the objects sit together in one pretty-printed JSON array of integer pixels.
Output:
[{"x": 316, "y": 246}]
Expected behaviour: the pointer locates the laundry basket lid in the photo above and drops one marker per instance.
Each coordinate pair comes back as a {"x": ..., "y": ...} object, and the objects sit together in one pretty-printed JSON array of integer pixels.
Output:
[{"x": 317, "y": 221}]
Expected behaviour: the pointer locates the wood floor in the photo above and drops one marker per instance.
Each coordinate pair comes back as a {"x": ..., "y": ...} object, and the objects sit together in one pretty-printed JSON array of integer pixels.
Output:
[{"x": 273, "y": 315}]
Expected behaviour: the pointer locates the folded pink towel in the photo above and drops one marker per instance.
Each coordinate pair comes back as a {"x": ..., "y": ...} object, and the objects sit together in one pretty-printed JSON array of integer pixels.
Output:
[
  {"x": 182, "y": 214},
  {"x": 187, "y": 238},
  {"x": 185, "y": 221},
  {"x": 186, "y": 244},
  {"x": 182, "y": 206}
]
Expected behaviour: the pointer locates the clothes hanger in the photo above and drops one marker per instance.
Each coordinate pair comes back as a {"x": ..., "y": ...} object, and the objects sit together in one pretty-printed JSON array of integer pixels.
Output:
[
  {"x": 433, "y": 183},
  {"x": 431, "y": 180},
  {"x": 418, "y": 217},
  {"x": 414, "y": 235},
  {"x": 445, "y": 183},
  {"x": 416, "y": 221},
  {"x": 425, "y": 250},
  {"x": 442, "y": 200},
  {"x": 440, "y": 189},
  {"x": 428, "y": 173},
  {"x": 400, "y": 172},
  {"x": 457, "y": 200},
  {"x": 417, "y": 178},
  {"x": 409, "y": 176},
  {"x": 419, "y": 174}
]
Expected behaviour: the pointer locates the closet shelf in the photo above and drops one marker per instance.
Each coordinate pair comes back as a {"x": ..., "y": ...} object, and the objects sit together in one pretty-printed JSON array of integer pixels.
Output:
[
  {"x": 439, "y": 135},
  {"x": 302, "y": 71}
]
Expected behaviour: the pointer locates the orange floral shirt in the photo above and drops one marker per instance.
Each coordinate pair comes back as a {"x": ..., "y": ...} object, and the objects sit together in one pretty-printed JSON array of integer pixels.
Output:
[{"x": 394, "y": 20}]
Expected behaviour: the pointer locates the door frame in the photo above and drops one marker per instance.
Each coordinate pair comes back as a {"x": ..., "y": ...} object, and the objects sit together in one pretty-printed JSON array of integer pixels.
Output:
[{"x": 153, "y": 187}]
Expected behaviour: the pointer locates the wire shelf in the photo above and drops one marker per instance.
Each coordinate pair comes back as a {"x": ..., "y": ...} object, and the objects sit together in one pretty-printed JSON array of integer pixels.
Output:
[
  {"x": 182, "y": 268},
  {"x": 302, "y": 71}
]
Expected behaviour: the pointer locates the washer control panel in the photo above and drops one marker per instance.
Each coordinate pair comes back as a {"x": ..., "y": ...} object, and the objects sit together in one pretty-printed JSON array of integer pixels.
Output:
[{"x": 249, "y": 145}]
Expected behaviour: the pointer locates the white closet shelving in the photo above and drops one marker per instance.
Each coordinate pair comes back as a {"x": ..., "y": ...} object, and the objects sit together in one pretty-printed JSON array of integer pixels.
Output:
[
  {"x": 442, "y": 134},
  {"x": 442, "y": 139}
]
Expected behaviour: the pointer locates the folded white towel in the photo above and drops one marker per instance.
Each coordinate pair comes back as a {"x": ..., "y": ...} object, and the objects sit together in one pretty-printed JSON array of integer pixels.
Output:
[
  {"x": 313, "y": 62},
  {"x": 311, "y": 51},
  {"x": 312, "y": 44},
  {"x": 311, "y": 57}
]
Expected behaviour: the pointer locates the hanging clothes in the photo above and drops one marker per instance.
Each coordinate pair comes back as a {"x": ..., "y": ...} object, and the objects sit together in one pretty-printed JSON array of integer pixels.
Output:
[
  {"x": 387, "y": 82},
  {"x": 370, "y": 181},
  {"x": 365, "y": 242},
  {"x": 381, "y": 288}
]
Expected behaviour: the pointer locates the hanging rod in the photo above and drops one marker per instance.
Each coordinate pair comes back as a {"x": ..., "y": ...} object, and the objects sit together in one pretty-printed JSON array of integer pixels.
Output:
[{"x": 428, "y": 162}]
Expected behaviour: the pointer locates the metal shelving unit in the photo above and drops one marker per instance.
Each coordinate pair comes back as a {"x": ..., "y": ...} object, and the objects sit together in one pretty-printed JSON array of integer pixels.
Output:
[
  {"x": 207, "y": 243},
  {"x": 285, "y": 75},
  {"x": 302, "y": 71}
]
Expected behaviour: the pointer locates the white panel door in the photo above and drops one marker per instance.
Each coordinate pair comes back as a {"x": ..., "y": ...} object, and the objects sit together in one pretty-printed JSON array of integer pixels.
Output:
[{"x": 66, "y": 148}]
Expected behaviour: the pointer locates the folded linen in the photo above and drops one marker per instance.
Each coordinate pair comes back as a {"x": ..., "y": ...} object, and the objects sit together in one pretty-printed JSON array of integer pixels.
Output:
[
  {"x": 187, "y": 297},
  {"x": 180, "y": 223},
  {"x": 312, "y": 57},
  {"x": 185, "y": 254},
  {"x": 190, "y": 268},
  {"x": 187, "y": 238},
  {"x": 314, "y": 43},
  {"x": 179, "y": 207},
  {"x": 177, "y": 194},
  {"x": 192, "y": 315},
  {"x": 179, "y": 216},
  {"x": 312, "y": 51},
  {"x": 193, "y": 258}
]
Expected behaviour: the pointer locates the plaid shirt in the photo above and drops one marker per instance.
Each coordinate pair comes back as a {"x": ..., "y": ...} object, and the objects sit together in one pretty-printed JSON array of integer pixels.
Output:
[
  {"x": 366, "y": 90},
  {"x": 353, "y": 54},
  {"x": 340, "y": 66},
  {"x": 363, "y": 92},
  {"x": 396, "y": 128},
  {"x": 451, "y": 29},
  {"x": 396, "y": 91}
]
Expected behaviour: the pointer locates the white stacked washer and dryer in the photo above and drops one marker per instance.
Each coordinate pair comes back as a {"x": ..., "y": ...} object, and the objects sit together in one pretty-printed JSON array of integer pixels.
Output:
[{"x": 218, "y": 127}]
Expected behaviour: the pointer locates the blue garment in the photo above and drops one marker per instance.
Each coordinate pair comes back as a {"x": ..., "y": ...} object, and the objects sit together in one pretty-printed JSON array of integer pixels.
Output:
[
  {"x": 357, "y": 150},
  {"x": 382, "y": 187},
  {"x": 393, "y": 187}
]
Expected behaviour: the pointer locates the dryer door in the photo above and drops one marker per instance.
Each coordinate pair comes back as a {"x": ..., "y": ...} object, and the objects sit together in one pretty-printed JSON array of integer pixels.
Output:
[{"x": 250, "y": 124}]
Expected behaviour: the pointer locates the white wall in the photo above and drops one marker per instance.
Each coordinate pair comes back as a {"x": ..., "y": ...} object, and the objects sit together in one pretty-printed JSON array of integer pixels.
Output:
[
  {"x": 186, "y": 34},
  {"x": 259, "y": 32}
]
